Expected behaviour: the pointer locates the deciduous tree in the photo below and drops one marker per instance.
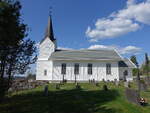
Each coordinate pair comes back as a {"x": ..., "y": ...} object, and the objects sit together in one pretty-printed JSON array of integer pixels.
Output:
[{"x": 16, "y": 51}]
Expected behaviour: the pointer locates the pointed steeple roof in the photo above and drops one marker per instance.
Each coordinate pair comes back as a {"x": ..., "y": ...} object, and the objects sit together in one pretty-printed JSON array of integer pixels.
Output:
[{"x": 49, "y": 30}]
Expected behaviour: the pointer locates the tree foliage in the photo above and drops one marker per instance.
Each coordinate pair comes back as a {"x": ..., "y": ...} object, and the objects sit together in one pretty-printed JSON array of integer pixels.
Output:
[
  {"x": 16, "y": 51},
  {"x": 145, "y": 68},
  {"x": 134, "y": 60}
]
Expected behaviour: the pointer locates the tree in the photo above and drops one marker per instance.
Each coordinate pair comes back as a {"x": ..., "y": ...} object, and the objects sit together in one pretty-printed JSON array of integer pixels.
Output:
[
  {"x": 16, "y": 51},
  {"x": 146, "y": 67},
  {"x": 137, "y": 70},
  {"x": 134, "y": 60}
]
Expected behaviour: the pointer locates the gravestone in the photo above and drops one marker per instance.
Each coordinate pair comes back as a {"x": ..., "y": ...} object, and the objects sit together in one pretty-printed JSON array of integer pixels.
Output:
[
  {"x": 65, "y": 81},
  {"x": 105, "y": 88},
  {"x": 147, "y": 80},
  {"x": 89, "y": 81},
  {"x": 78, "y": 86},
  {"x": 116, "y": 82},
  {"x": 97, "y": 84},
  {"x": 103, "y": 80},
  {"x": 132, "y": 96},
  {"x": 108, "y": 81},
  {"x": 93, "y": 81},
  {"x": 57, "y": 86},
  {"x": 143, "y": 87},
  {"x": 126, "y": 84},
  {"x": 10, "y": 90},
  {"x": 46, "y": 90}
]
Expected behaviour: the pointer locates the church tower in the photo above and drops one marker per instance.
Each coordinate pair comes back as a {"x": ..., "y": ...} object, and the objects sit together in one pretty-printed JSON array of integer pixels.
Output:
[
  {"x": 46, "y": 48},
  {"x": 48, "y": 44}
]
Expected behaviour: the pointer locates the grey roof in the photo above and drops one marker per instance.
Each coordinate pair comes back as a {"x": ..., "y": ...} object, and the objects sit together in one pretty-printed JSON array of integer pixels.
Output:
[
  {"x": 126, "y": 63},
  {"x": 85, "y": 55},
  {"x": 49, "y": 31}
]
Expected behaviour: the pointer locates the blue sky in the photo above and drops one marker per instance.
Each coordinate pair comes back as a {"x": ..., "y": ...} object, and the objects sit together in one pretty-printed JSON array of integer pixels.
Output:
[{"x": 120, "y": 24}]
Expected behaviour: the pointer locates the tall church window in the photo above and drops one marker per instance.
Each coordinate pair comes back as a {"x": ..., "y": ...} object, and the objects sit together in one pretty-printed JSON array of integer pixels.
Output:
[
  {"x": 63, "y": 69},
  {"x": 108, "y": 69},
  {"x": 90, "y": 69},
  {"x": 76, "y": 69},
  {"x": 45, "y": 72}
]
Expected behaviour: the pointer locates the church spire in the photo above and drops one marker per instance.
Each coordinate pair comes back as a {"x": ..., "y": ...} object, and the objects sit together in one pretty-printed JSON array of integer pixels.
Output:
[{"x": 49, "y": 31}]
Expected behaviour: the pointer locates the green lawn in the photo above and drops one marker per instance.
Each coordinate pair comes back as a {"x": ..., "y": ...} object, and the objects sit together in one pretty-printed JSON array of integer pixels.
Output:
[{"x": 88, "y": 99}]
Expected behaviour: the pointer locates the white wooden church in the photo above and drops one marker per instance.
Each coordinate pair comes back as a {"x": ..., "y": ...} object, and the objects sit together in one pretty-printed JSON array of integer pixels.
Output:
[{"x": 56, "y": 65}]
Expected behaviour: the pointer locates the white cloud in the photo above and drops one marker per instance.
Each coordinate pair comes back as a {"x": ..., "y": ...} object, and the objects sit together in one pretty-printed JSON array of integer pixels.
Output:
[
  {"x": 101, "y": 47},
  {"x": 109, "y": 28},
  {"x": 138, "y": 12},
  {"x": 130, "y": 50},
  {"x": 121, "y": 50},
  {"x": 131, "y": 2},
  {"x": 122, "y": 22}
]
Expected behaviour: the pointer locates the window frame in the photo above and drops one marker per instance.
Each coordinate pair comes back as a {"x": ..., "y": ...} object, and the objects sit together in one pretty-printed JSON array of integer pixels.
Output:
[
  {"x": 76, "y": 68},
  {"x": 45, "y": 72},
  {"x": 90, "y": 68},
  {"x": 108, "y": 68},
  {"x": 63, "y": 68}
]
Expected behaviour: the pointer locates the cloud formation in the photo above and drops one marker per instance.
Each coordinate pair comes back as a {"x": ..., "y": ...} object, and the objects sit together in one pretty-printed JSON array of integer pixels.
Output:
[
  {"x": 121, "y": 22},
  {"x": 121, "y": 50}
]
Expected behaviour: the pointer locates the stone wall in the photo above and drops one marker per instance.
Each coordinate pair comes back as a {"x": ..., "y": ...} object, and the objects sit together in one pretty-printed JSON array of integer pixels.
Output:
[{"x": 18, "y": 85}]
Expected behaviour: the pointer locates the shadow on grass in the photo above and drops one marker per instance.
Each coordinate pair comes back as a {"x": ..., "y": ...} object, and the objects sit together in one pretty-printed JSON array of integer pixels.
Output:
[{"x": 63, "y": 101}]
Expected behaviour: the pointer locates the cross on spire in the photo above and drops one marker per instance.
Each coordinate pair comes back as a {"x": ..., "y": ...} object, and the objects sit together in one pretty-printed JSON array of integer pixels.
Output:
[{"x": 49, "y": 30}]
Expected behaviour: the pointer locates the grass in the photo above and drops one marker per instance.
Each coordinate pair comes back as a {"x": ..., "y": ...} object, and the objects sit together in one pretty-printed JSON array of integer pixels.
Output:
[{"x": 68, "y": 99}]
